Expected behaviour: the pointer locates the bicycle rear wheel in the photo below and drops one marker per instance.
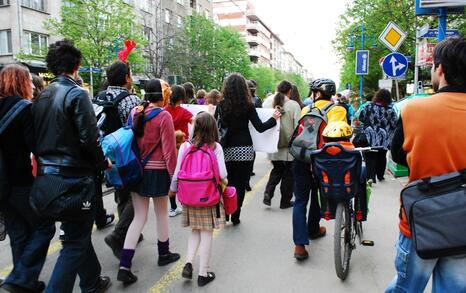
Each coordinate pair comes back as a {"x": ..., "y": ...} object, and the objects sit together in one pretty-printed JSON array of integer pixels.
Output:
[{"x": 342, "y": 240}]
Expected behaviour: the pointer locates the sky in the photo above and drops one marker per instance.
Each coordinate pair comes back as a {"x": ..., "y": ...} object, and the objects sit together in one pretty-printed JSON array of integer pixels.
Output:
[{"x": 307, "y": 27}]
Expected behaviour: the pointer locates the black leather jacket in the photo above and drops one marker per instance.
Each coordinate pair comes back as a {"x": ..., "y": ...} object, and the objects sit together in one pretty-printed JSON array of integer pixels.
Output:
[{"x": 65, "y": 127}]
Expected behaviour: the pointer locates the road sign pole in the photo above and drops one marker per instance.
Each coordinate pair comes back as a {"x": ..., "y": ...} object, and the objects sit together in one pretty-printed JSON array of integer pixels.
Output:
[
  {"x": 361, "y": 78},
  {"x": 442, "y": 23},
  {"x": 91, "y": 88}
]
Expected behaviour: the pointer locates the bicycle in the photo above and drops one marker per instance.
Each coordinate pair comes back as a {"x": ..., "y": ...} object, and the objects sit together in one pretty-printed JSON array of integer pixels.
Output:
[{"x": 348, "y": 221}]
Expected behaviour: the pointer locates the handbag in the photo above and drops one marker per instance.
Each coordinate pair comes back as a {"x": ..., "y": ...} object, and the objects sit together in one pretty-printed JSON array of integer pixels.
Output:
[
  {"x": 222, "y": 128},
  {"x": 436, "y": 211},
  {"x": 62, "y": 198},
  {"x": 230, "y": 200}
]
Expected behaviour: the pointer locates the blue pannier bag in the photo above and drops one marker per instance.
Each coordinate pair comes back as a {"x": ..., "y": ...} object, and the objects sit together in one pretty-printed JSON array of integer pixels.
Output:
[{"x": 121, "y": 148}]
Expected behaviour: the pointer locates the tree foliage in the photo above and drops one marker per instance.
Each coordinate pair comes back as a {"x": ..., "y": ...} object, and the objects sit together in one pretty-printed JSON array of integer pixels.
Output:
[
  {"x": 97, "y": 27},
  {"x": 267, "y": 80},
  {"x": 376, "y": 14},
  {"x": 204, "y": 53}
]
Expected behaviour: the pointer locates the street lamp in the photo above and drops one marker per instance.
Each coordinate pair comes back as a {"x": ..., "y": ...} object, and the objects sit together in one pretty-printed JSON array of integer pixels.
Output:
[{"x": 359, "y": 33}]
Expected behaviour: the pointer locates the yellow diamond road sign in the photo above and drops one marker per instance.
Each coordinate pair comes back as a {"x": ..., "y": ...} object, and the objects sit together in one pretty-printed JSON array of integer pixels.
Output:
[{"x": 392, "y": 36}]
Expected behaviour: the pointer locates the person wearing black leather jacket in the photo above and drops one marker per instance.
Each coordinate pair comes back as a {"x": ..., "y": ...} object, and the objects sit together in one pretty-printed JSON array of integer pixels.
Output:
[{"x": 68, "y": 150}]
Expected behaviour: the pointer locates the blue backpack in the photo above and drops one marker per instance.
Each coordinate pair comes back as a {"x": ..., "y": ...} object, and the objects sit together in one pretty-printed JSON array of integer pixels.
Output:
[{"x": 122, "y": 150}]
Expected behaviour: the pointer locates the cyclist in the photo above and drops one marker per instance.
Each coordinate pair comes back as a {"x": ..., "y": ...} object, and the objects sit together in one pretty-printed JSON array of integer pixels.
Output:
[{"x": 322, "y": 91}]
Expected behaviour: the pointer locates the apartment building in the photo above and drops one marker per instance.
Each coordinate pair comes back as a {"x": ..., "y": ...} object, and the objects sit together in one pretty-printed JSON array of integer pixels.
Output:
[
  {"x": 264, "y": 46},
  {"x": 22, "y": 30}
]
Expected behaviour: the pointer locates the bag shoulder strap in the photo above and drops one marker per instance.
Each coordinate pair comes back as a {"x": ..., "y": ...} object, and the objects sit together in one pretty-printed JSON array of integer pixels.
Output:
[
  {"x": 12, "y": 113},
  {"x": 151, "y": 115},
  {"x": 120, "y": 97}
]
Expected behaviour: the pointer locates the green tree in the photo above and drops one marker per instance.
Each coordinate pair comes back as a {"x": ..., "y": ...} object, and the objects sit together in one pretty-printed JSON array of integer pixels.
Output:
[
  {"x": 204, "y": 53},
  {"x": 97, "y": 27},
  {"x": 376, "y": 14}
]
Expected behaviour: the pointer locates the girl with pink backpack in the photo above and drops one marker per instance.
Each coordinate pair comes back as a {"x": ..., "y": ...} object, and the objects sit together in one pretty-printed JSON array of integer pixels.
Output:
[{"x": 200, "y": 172}]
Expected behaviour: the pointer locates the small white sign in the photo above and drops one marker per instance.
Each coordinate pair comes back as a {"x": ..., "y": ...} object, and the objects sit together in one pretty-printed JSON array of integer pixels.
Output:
[
  {"x": 385, "y": 84},
  {"x": 392, "y": 36}
]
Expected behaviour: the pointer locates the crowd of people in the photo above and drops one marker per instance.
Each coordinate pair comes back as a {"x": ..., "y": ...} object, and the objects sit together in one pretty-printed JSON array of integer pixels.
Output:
[{"x": 50, "y": 149}]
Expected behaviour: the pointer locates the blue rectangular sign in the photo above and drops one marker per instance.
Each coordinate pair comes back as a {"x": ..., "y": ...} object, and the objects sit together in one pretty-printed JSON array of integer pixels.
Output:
[
  {"x": 434, "y": 11},
  {"x": 362, "y": 62},
  {"x": 433, "y": 33},
  {"x": 88, "y": 69}
]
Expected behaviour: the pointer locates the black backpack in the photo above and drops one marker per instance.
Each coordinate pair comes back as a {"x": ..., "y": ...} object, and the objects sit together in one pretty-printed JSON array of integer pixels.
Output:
[{"x": 112, "y": 120}]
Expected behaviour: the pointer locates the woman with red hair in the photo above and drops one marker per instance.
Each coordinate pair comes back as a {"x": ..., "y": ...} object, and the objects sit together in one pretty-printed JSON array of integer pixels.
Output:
[{"x": 28, "y": 247}]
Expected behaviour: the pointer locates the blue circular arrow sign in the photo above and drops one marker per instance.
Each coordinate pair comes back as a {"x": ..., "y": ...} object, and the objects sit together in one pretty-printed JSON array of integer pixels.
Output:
[{"x": 395, "y": 64}]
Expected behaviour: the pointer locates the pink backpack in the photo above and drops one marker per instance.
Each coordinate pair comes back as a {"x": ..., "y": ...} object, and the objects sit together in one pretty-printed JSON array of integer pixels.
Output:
[{"x": 198, "y": 178}]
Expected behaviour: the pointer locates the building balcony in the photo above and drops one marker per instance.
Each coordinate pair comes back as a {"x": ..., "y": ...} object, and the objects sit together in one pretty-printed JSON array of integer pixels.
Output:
[
  {"x": 253, "y": 40},
  {"x": 255, "y": 53},
  {"x": 252, "y": 27}
]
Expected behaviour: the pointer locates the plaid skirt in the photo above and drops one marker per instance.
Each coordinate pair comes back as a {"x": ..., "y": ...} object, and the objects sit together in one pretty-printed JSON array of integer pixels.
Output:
[{"x": 203, "y": 218}]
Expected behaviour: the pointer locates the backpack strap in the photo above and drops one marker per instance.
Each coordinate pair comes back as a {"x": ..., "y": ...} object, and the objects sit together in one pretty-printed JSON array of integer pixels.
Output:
[
  {"x": 120, "y": 97},
  {"x": 151, "y": 115},
  {"x": 12, "y": 113}
]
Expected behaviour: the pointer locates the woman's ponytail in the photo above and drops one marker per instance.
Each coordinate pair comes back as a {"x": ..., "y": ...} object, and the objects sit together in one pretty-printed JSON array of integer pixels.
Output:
[{"x": 282, "y": 89}]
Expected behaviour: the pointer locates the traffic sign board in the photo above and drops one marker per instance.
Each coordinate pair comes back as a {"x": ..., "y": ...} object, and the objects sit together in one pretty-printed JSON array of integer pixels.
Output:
[
  {"x": 395, "y": 65},
  {"x": 392, "y": 36},
  {"x": 433, "y": 33},
  {"x": 362, "y": 62},
  {"x": 88, "y": 69}
]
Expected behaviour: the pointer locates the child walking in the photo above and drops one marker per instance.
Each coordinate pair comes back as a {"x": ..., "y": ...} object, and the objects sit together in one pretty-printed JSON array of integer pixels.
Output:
[
  {"x": 156, "y": 140},
  {"x": 201, "y": 220}
]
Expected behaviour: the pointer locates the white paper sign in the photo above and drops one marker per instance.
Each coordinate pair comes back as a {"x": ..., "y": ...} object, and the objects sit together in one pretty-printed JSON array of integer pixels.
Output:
[{"x": 263, "y": 142}]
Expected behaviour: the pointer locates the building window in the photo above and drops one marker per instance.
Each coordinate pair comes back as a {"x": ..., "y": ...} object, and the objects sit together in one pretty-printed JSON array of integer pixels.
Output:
[
  {"x": 179, "y": 21},
  {"x": 34, "y": 4},
  {"x": 147, "y": 32},
  {"x": 5, "y": 42},
  {"x": 167, "y": 16},
  {"x": 130, "y": 2},
  {"x": 181, "y": 2},
  {"x": 35, "y": 43},
  {"x": 4, "y": 2},
  {"x": 145, "y": 5}
]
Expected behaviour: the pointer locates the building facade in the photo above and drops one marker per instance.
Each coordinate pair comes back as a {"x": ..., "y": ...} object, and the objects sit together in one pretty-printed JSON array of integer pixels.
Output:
[{"x": 264, "y": 46}]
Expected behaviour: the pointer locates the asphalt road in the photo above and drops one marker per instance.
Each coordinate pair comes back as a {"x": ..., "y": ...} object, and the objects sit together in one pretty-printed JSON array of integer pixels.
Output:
[{"x": 257, "y": 255}]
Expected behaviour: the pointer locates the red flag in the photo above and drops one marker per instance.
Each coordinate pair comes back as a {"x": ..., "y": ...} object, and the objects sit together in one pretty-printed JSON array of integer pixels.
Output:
[{"x": 129, "y": 46}]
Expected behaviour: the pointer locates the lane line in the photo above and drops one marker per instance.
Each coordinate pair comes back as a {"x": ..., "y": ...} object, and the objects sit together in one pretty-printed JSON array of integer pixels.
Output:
[{"x": 175, "y": 272}]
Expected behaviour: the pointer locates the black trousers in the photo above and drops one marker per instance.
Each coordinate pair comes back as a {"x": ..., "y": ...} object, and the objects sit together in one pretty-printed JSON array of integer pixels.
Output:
[
  {"x": 238, "y": 176},
  {"x": 100, "y": 211},
  {"x": 376, "y": 162},
  {"x": 282, "y": 171},
  {"x": 125, "y": 213}
]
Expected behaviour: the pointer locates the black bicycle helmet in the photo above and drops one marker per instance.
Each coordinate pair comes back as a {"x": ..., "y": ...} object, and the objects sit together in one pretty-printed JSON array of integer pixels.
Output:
[{"x": 324, "y": 85}]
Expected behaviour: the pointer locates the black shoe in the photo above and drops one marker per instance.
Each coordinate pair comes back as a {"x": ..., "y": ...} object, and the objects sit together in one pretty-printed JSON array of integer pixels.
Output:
[
  {"x": 102, "y": 285},
  {"x": 227, "y": 218},
  {"x": 235, "y": 222},
  {"x": 248, "y": 187},
  {"x": 108, "y": 221},
  {"x": 115, "y": 244},
  {"x": 40, "y": 286},
  {"x": 141, "y": 237},
  {"x": 253, "y": 174},
  {"x": 187, "y": 271},
  {"x": 202, "y": 281},
  {"x": 267, "y": 199},
  {"x": 14, "y": 289},
  {"x": 287, "y": 205},
  {"x": 126, "y": 277},
  {"x": 168, "y": 258}
]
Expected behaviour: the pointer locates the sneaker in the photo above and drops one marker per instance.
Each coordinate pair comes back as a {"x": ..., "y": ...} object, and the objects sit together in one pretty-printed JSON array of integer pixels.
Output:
[
  {"x": 202, "y": 281},
  {"x": 168, "y": 258},
  {"x": 300, "y": 252},
  {"x": 126, "y": 277},
  {"x": 321, "y": 233},
  {"x": 108, "y": 221},
  {"x": 174, "y": 212},
  {"x": 187, "y": 271},
  {"x": 61, "y": 235}
]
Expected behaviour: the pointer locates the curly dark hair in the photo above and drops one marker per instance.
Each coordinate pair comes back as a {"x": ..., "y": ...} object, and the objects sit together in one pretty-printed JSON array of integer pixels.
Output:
[
  {"x": 63, "y": 57},
  {"x": 236, "y": 96},
  {"x": 383, "y": 97}
]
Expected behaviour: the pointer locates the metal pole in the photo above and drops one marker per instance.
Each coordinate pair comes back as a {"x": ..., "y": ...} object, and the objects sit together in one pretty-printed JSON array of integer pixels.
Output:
[
  {"x": 397, "y": 90},
  {"x": 361, "y": 78},
  {"x": 442, "y": 23},
  {"x": 91, "y": 88},
  {"x": 416, "y": 68}
]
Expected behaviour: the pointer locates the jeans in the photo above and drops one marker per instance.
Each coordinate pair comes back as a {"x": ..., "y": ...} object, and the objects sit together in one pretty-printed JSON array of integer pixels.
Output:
[
  {"x": 414, "y": 272},
  {"x": 282, "y": 171},
  {"x": 29, "y": 240},
  {"x": 304, "y": 184}
]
